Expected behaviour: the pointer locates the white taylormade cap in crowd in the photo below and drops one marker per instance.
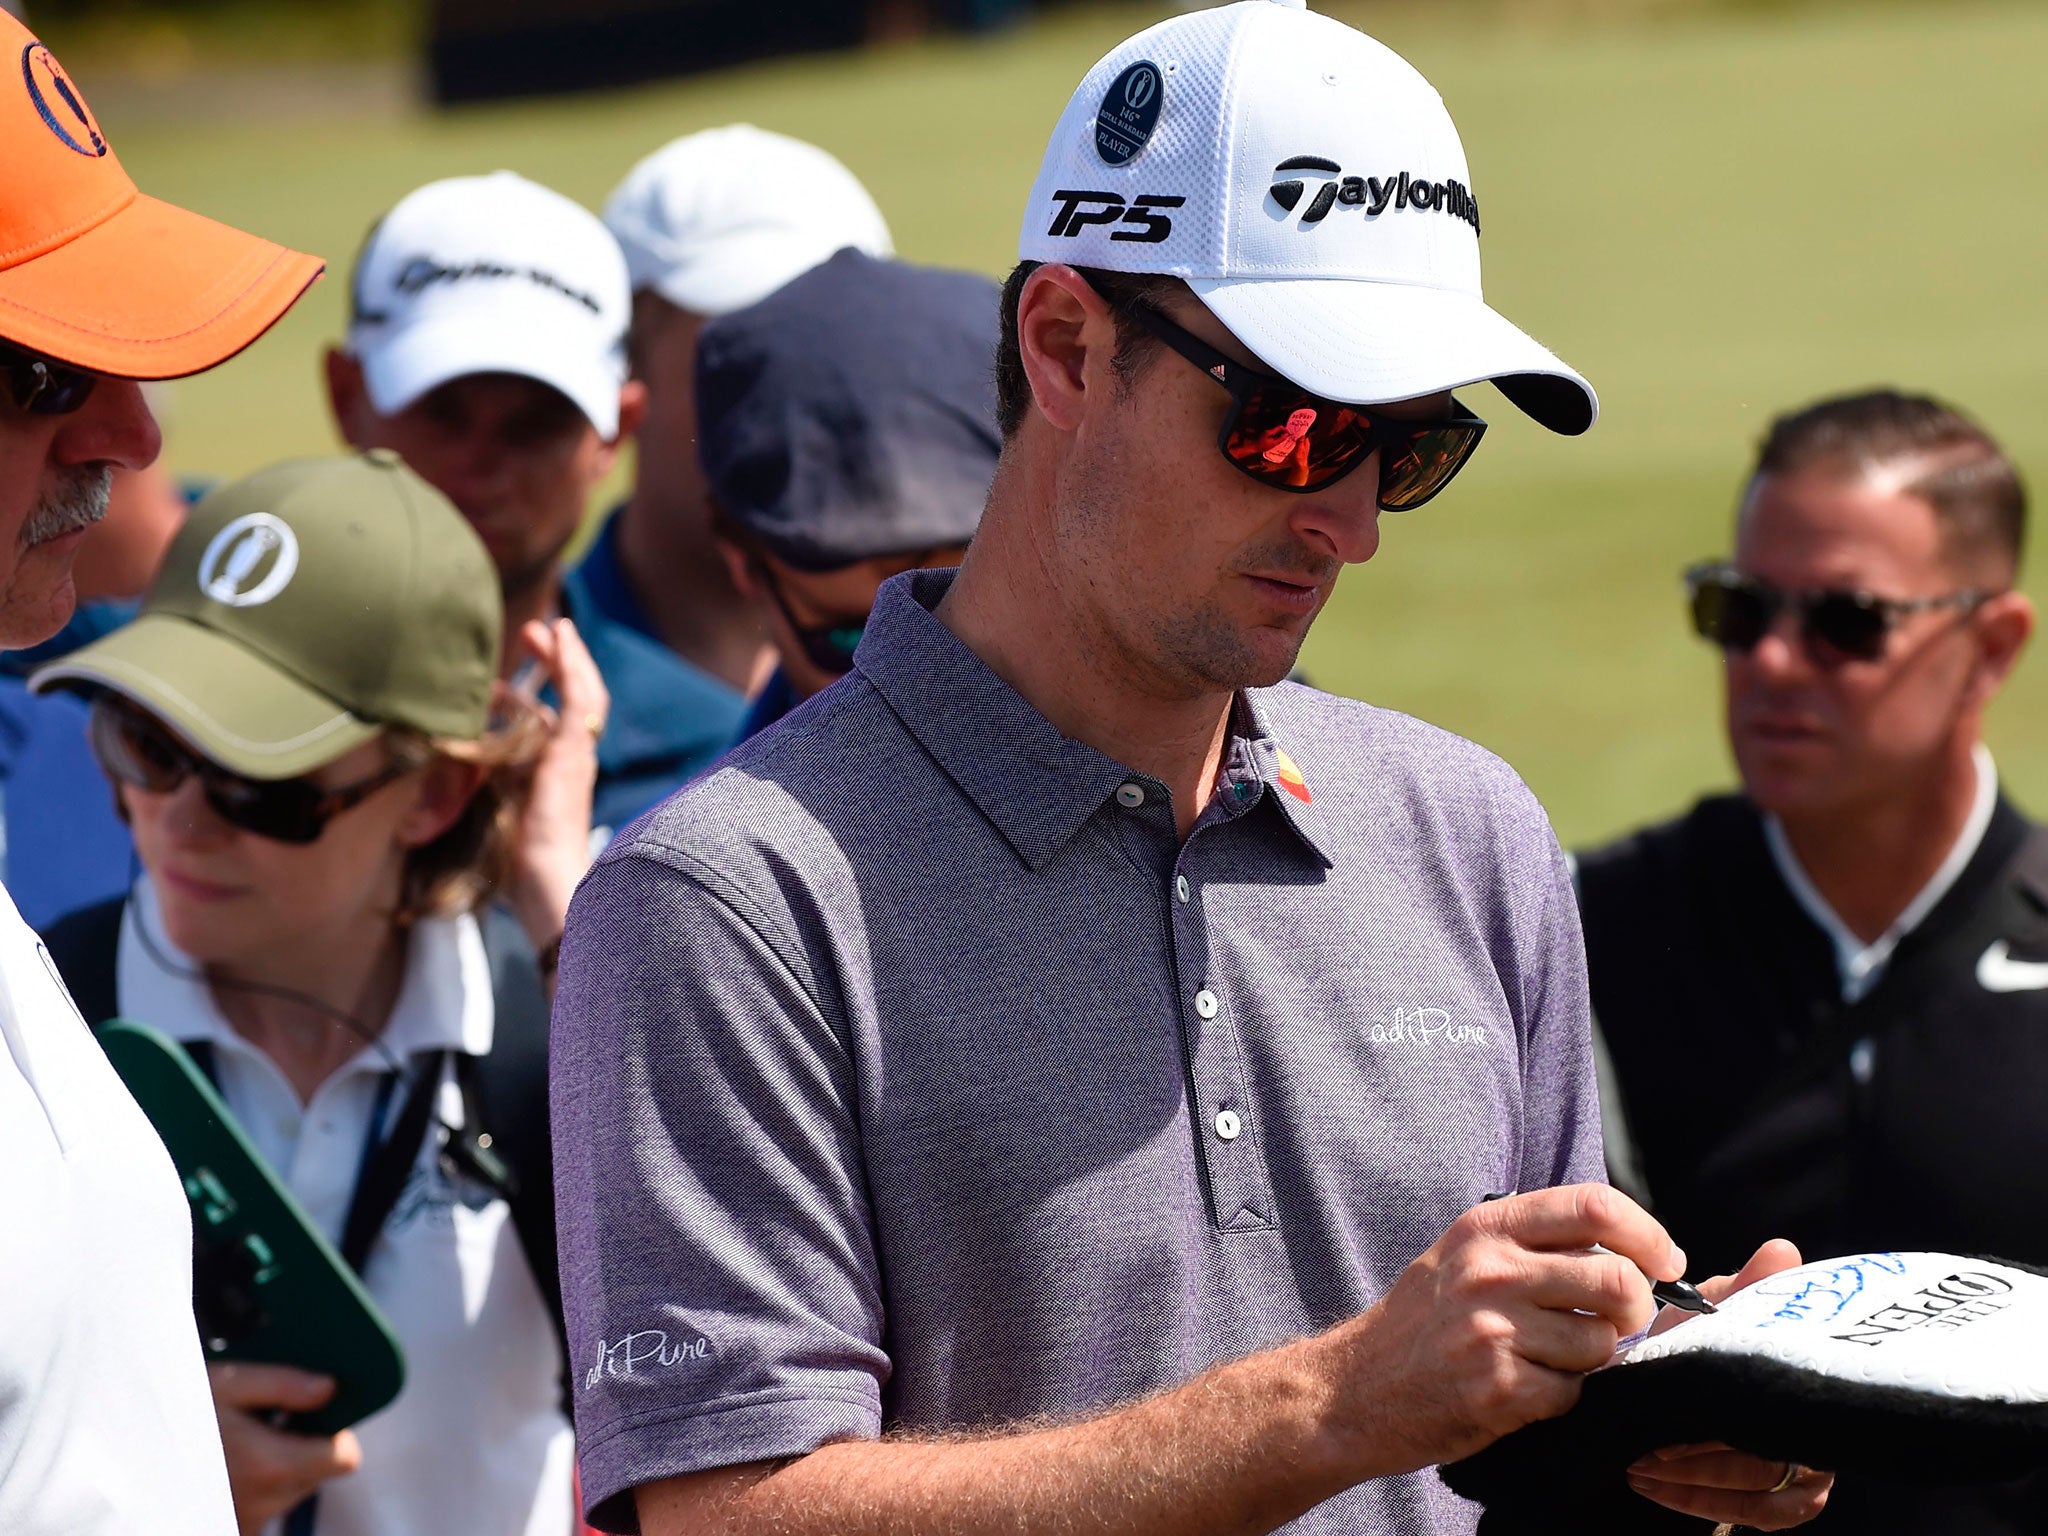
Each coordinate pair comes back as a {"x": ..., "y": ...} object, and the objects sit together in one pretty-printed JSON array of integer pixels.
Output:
[
  {"x": 491, "y": 274},
  {"x": 719, "y": 220},
  {"x": 1310, "y": 187}
]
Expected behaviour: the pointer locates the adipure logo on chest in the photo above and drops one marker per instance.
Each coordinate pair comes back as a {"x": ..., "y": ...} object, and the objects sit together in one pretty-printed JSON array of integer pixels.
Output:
[
  {"x": 250, "y": 561},
  {"x": 1430, "y": 1028}
]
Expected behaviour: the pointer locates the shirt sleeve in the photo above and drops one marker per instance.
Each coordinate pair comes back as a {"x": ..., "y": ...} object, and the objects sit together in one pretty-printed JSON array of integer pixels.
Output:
[
  {"x": 719, "y": 1274},
  {"x": 1561, "y": 1103}
]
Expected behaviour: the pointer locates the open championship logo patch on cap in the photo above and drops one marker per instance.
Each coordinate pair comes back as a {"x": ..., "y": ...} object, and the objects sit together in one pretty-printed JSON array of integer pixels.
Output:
[
  {"x": 250, "y": 561},
  {"x": 1129, "y": 112},
  {"x": 62, "y": 109}
]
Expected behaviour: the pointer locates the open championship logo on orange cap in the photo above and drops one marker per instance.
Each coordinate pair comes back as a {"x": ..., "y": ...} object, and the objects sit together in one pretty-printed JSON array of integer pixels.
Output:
[{"x": 57, "y": 99}]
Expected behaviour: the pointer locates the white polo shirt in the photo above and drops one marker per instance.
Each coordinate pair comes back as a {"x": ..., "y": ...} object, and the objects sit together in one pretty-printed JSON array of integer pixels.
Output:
[
  {"x": 476, "y": 1442},
  {"x": 106, "y": 1425}
]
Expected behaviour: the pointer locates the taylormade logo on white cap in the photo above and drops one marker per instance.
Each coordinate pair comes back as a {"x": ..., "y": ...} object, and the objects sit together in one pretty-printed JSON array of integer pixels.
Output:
[
  {"x": 1310, "y": 186},
  {"x": 491, "y": 274}
]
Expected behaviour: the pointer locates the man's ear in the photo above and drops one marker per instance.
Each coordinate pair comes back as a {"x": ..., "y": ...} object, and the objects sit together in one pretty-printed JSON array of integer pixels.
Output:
[
  {"x": 446, "y": 787},
  {"x": 347, "y": 398},
  {"x": 739, "y": 567},
  {"x": 2003, "y": 626},
  {"x": 632, "y": 409},
  {"x": 1066, "y": 337}
]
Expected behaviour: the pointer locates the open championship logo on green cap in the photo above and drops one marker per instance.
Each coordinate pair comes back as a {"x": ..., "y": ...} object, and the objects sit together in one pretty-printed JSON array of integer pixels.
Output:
[{"x": 249, "y": 561}]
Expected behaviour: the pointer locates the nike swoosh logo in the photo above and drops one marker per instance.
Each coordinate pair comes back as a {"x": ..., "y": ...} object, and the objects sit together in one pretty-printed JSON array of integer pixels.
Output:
[{"x": 1997, "y": 971}]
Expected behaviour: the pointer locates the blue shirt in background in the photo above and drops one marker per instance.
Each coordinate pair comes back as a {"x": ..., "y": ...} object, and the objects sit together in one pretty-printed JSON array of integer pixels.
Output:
[
  {"x": 62, "y": 844},
  {"x": 669, "y": 719}
]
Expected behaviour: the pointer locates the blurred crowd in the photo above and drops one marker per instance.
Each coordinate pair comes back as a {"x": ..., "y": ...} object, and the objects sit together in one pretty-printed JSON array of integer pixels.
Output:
[{"x": 308, "y": 779}]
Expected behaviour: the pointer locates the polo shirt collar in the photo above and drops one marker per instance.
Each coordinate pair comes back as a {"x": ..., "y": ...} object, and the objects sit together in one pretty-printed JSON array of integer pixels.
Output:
[
  {"x": 1034, "y": 785},
  {"x": 444, "y": 1002},
  {"x": 1285, "y": 783}
]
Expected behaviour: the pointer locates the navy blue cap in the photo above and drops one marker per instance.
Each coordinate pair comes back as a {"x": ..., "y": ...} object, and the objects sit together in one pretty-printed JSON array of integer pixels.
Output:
[{"x": 852, "y": 412}]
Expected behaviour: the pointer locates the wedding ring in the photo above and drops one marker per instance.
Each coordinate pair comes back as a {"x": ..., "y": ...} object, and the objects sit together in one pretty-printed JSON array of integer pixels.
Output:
[
  {"x": 1792, "y": 1471},
  {"x": 595, "y": 725}
]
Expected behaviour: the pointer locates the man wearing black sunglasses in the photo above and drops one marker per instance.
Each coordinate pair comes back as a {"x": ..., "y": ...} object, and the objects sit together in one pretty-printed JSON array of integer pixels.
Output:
[
  {"x": 1066, "y": 1078},
  {"x": 846, "y": 425},
  {"x": 1826, "y": 998},
  {"x": 104, "y": 1411}
]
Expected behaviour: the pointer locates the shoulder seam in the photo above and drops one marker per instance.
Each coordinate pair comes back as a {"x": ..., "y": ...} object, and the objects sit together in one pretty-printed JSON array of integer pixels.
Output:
[{"x": 719, "y": 887}]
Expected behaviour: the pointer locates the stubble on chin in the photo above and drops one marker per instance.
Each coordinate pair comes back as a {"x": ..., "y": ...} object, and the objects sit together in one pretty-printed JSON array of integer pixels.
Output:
[{"x": 1214, "y": 654}]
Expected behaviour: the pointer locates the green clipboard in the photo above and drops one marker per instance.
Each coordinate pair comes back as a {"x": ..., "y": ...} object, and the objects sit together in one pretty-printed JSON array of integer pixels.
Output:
[{"x": 267, "y": 1286}]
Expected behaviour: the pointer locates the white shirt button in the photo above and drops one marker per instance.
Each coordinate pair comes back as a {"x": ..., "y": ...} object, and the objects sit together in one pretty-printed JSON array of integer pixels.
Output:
[
  {"x": 1228, "y": 1125},
  {"x": 1205, "y": 1004},
  {"x": 1181, "y": 888},
  {"x": 1130, "y": 796}
]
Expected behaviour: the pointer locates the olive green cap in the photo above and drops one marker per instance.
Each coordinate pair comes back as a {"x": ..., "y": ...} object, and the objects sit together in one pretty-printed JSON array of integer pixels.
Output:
[{"x": 303, "y": 611}]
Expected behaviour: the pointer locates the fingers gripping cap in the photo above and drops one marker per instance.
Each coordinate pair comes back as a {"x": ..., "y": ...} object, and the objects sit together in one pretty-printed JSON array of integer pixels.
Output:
[{"x": 1311, "y": 188}]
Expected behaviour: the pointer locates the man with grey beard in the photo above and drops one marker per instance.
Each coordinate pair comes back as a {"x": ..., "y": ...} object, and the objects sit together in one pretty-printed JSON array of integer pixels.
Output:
[{"x": 106, "y": 1423}]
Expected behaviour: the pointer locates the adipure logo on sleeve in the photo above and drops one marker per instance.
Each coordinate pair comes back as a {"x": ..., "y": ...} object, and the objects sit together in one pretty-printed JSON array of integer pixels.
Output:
[
  {"x": 1429, "y": 1028},
  {"x": 250, "y": 561},
  {"x": 645, "y": 1350},
  {"x": 1372, "y": 193}
]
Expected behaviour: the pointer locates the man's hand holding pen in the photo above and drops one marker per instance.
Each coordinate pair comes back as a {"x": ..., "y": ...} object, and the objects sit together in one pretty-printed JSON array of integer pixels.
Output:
[{"x": 1497, "y": 1325}]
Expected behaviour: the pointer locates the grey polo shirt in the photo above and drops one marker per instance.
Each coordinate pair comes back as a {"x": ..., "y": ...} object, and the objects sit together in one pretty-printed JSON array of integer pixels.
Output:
[{"x": 911, "y": 1074}]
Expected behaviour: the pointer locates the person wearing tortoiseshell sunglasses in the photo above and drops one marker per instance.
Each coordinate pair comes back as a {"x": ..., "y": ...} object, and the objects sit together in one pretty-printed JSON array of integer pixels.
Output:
[
  {"x": 1825, "y": 997},
  {"x": 105, "y": 1420}
]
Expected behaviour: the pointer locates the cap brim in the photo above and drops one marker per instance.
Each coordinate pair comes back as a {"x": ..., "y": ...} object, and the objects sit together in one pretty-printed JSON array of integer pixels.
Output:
[
  {"x": 399, "y": 369},
  {"x": 154, "y": 292},
  {"x": 745, "y": 266},
  {"x": 1367, "y": 343},
  {"x": 239, "y": 709}
]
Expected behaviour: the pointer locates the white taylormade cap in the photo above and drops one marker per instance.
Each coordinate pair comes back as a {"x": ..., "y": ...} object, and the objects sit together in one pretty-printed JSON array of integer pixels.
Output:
[
  {"x": 719, "y": 220},
  {"x": 491, "y": 274},
  {"x": 1309, "y": 186}
]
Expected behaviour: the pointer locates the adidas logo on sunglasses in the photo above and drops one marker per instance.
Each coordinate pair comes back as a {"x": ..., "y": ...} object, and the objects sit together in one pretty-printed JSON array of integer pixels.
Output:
[
  {"x": 1368, "y": 192},
  {"x": 1078, "y": 210}
]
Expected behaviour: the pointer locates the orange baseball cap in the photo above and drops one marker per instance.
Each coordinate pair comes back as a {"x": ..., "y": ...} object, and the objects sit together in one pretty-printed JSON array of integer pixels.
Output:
[{"x": 94, "y": 274}]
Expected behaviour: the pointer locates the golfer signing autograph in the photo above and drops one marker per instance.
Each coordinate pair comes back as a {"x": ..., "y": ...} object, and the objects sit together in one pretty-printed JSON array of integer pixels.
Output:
[{"x": 1053, "y": 1080}]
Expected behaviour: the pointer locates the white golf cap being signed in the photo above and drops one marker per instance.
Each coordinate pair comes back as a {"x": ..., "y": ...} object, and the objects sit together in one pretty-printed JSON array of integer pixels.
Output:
[
  {"x": 1310, "y": 187},
  {"x": 718, "y": 220},
  {"x": 491, "y": 274}
]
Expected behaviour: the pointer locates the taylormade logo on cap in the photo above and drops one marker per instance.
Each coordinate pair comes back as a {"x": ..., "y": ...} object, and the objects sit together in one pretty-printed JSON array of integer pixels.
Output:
[
  {"x": 1309, "y": 185},
  {"x": 1368, "y": 192}
]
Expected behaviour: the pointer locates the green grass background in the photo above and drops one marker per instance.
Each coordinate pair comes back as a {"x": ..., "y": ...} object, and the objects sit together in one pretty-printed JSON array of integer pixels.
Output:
[{"x": 1715, "y": 214}]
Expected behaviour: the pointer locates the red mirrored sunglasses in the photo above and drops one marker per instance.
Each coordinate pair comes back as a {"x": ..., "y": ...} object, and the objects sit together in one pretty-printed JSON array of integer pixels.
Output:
[{"x": 1283, "y": 436}]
